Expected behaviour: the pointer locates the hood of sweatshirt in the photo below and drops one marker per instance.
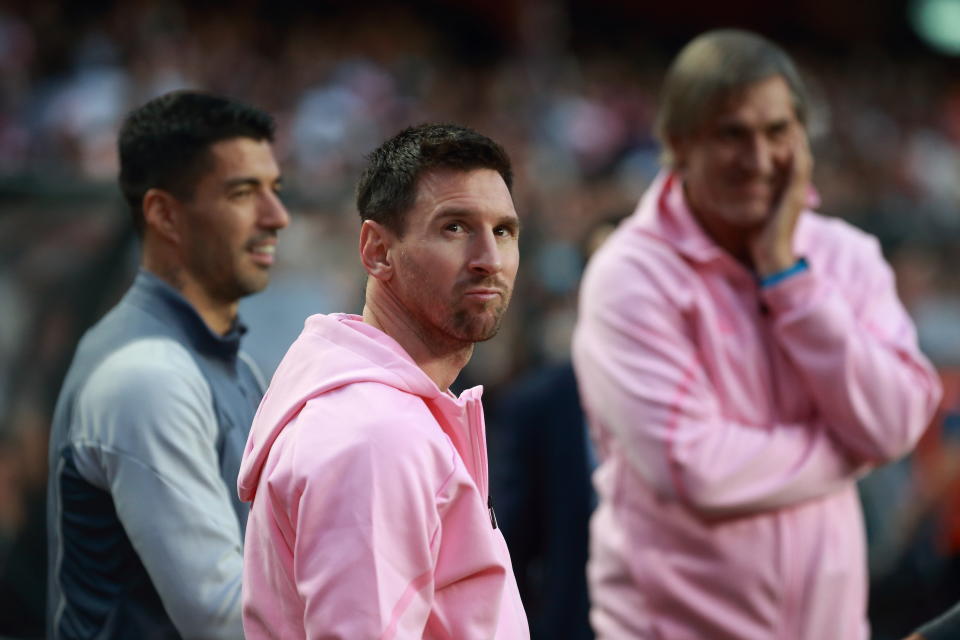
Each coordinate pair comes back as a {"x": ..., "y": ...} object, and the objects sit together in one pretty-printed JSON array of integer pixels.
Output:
[{"x": 332, "y": 351}]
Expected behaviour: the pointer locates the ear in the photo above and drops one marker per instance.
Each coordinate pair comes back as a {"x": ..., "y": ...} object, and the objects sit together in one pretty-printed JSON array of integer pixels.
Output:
[
  {"x": 376, "y": 242},
  {"x": 161, "y": 214}
]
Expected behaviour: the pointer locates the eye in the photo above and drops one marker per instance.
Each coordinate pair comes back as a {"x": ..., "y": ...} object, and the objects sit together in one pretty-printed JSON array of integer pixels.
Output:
[
  {"x": 453, "y": 226},
  {"x": 778, "y": 131},
  {"x": 239, "y": 194},
  {"x": 730, "y": 134},
  {"x": 505, "y": 231}
]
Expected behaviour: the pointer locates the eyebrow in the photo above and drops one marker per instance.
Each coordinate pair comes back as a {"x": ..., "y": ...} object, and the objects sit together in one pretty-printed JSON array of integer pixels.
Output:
[
  {"x": 249, "y": 181},
  {"x": 736, "y": 123}
]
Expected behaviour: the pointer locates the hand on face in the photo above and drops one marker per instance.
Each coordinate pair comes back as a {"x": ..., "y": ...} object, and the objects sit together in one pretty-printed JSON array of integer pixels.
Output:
[{"x": 772, "y": 247}]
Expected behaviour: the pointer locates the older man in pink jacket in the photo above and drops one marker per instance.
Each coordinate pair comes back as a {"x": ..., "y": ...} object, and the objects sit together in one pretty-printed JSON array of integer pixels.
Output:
[
  {"x": 368, "y": 478},
  {"x": 743, "y": 361}
]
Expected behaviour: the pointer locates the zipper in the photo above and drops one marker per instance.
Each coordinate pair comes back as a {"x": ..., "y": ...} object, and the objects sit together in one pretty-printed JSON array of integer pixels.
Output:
[
  {"x": 790, "y": 580},
  {"x": 479, "y": 446}
]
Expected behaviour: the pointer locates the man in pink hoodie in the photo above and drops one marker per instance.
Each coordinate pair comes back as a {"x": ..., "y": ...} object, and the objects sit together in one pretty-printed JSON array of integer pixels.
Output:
[
  {"x": 371, "y": 516},
  {"x": 743, "y": 361}
]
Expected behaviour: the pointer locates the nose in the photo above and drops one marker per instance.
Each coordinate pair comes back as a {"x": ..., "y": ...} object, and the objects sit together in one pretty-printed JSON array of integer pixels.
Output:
[
  {"x": 273, "y": 214},
  {"x": 758, "y": 156},
  {"x": 485, "y": 257}
]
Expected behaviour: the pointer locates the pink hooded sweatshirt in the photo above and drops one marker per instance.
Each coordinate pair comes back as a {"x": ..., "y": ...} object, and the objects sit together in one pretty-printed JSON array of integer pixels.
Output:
[
  {"x": 732, "y": 423},
  {"x": 369, "y": 489}
]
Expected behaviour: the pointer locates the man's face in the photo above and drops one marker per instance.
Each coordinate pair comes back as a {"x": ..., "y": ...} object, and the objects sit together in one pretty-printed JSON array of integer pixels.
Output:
[
  {"x": 735, "y": 168},
  {"x": 457, "y": 259},
  {"x": 230, "y": 230}
]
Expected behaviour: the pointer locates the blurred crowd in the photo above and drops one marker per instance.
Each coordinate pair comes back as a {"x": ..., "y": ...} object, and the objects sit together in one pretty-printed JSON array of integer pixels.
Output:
[{"x": 576, "y": 120}]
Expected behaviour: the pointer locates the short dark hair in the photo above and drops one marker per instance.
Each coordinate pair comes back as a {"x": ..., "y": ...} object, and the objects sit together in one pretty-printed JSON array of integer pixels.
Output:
[
  {"x": 388, "y": 184},
  {"x": 710, "y": 69},
  {"x": 164, "y": 144}
]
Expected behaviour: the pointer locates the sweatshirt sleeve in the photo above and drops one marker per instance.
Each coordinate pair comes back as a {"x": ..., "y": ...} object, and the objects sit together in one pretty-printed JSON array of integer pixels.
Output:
[
  {"x": 642, "y": 378},
  {"x": 366, "y": 529},
  {"x": 146, "y": 432},
  {"x": 388, "y": 529},
  {"x": 860, "y": 362}
]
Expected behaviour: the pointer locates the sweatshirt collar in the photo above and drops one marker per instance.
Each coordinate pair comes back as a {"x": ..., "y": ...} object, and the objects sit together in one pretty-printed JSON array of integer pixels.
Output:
[{"x": 401, "y": 362}]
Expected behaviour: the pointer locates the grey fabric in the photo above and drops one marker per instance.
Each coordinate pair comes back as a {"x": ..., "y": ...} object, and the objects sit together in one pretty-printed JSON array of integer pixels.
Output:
[
  {"x": 145, "y": 526},
  {"x": 946, "y": 627}
]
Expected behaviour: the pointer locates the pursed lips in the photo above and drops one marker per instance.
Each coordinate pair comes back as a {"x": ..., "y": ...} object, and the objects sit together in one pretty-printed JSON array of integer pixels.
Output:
[{"x": 485, "y": 292}]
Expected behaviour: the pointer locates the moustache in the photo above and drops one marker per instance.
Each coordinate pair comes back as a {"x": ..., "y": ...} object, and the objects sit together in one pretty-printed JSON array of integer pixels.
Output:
[{"x": 259, "y": 239}]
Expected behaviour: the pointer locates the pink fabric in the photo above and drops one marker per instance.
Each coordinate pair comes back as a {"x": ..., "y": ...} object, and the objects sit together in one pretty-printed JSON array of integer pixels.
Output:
[
  {"x": 369, "y": 490},
  {"x": 732, "y": 423}
]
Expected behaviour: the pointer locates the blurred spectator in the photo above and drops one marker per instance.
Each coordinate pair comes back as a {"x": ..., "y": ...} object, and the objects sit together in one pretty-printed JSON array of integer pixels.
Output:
[{"x": 734, "y": 390}]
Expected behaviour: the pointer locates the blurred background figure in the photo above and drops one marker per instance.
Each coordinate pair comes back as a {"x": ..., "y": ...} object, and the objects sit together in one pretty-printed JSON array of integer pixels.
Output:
[
  {"x": 569, "y": 87},
  {"x": 742, "y": 361}
]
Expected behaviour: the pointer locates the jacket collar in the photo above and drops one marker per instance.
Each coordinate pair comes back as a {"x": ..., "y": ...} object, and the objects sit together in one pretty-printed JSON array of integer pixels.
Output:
[
  {"x": 168, "y": 305},
  {"x": 664, "y": 212}
]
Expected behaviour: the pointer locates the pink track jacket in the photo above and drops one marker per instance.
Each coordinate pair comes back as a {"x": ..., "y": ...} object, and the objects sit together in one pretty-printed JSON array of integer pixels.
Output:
[
  {"x": 369, "y": 490},
  {"x": 732, "y": 423}
]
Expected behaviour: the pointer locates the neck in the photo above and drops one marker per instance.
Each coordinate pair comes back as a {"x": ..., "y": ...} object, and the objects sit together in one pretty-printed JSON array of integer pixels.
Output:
[
  {"x": 218, "y": 315},
  {"x": 439, "y": 356}
]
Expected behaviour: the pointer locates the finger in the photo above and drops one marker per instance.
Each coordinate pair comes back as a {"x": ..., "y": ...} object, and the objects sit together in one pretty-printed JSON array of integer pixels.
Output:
[{"x": 803, "y": 157}]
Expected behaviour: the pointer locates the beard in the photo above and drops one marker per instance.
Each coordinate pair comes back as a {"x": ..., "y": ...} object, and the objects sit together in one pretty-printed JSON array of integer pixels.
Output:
[
  {"x": 468, "y": 325},
  {"x": 221, "y": 271},
  {"x": 447, "y": 318}
]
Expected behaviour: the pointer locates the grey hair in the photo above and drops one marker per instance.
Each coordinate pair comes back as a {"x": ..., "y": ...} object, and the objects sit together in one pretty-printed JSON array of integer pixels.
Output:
[{"x": 713, "y": 67}]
